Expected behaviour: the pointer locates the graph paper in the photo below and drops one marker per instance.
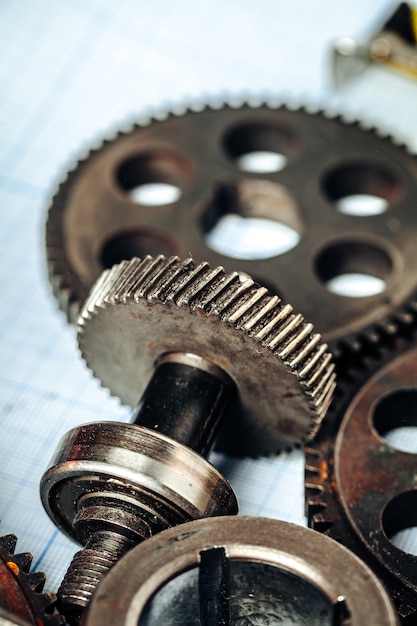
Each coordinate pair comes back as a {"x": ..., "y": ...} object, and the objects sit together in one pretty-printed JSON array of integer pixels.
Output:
[{"x": 72, "y": 72}]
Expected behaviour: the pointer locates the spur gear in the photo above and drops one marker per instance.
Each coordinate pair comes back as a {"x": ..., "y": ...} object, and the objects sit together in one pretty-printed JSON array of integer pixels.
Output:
[
  {"x": 361, "y": 489},
  {"x": 143, "y": 309},
  {"x": 21, "y": 597},
  {"x": 95, "y": 219}
]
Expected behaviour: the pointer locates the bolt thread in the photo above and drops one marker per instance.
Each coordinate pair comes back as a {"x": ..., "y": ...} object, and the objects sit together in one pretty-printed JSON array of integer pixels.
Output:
[{"x": 87, "y": 569}]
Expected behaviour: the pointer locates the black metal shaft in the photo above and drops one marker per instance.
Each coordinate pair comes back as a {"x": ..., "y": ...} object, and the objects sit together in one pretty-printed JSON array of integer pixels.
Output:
[
  {"x": 185, "y": 400},
  {"x": 214, "y": 587}
]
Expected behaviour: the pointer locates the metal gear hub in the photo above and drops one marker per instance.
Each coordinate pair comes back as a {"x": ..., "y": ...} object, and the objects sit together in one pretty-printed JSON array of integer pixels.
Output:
[
  {"x": 95, "y": 220},
  {"x": 143, "y": 309},
  {"x": 240, "y": 571}
]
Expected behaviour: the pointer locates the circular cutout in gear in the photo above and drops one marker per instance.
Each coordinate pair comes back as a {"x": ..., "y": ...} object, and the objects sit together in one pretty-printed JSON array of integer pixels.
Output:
[
  {"x": 239, "y": 571},
  {"x": 98, "y": 215},
  {"x": 145, "y": 308},
  {"x": 360, "y": 488}
]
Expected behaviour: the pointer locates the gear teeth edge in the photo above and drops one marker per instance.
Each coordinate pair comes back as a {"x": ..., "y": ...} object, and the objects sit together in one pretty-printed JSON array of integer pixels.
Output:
[
  {"x": 38, "y": 600},
  {"x": 67, "y": 287},
  {"x": 8, "y": 544},
  {"x": 315, "y": 507},
  {"x": 23, "y": 561},
  {"x": 237, "y": 304},
  {"x": 192, "y": 277},
  {"x": 195, "y": 293}
]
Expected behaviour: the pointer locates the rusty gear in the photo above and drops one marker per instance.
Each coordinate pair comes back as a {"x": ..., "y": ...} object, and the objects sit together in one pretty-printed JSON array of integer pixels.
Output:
[
  {"x": 142, "y": 309},
  {"x": 93, "y": 221},
  {"x": 21, "y": 596},
  {"x": 360, "y": 489}
]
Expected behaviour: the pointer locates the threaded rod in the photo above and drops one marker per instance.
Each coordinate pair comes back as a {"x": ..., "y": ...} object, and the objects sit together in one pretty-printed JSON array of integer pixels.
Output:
[{"x": 86, "y": 570}]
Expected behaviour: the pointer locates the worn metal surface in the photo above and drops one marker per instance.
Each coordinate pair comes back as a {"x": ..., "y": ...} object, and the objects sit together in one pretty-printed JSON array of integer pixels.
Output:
[
  {"x": 93, "y": 221},
  {"x": 146, "y": 308},
  {"x": 110, "y": 486},
  {"x": 361, "y": 489},
  {"x": 161, "y": 481},
  {"x": 240, "y": 571},
  {"x": 21, "y": 596}
]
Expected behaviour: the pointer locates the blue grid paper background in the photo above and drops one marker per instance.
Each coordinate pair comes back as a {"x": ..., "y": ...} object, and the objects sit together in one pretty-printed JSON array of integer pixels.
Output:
[{"x": 73, "y": 71}]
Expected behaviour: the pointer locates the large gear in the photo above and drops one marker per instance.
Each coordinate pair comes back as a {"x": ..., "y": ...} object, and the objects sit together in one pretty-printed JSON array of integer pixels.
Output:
[
  {"x": 93, "y": 221},
  {"x": 21, "y": 597},
  {"x": 360, "y": 489},
  {"x": 142, "y": 309}
]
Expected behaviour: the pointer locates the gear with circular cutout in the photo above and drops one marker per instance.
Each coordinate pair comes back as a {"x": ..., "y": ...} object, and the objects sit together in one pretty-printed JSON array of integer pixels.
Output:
[
  {"x": 242, "y": 570},
  {"x": 21, "y": 596},
  {"x": 145, "y": 308},
  {"x": 95, "y": 220},
  {"x": 360, "y": 488}
]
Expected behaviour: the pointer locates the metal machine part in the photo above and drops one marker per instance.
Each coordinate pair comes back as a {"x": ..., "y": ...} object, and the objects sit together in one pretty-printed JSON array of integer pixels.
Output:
[
  {"x": 240, "y": 571},
  {"x": 318, "y": 165},
  {"x": 21, "y": 597},
  {"x": 393, "y": 44},
  {"x": 361, "y": 489},
  {"x": 112, "y": 485},
  {"x": 146, "y": 308}
]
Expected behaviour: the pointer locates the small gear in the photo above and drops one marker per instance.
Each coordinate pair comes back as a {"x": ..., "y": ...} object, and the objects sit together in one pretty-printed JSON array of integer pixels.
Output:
[
  {"x": 95, "y": 220},
  {"x": 21, "y": 596},
  {"x": 145, "y": 308},
  {"x": 360, "y": 488}
]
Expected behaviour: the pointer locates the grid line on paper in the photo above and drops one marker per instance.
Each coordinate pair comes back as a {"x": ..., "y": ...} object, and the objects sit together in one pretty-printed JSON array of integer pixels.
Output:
[{"x": 71, "y": 69}]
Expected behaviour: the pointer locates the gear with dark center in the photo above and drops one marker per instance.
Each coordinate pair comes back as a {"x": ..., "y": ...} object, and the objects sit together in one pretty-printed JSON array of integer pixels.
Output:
[
  {"x": 21, "y": 596},
  {"x": 361, "y": 484},
  {"x": 100, "y": 215}
]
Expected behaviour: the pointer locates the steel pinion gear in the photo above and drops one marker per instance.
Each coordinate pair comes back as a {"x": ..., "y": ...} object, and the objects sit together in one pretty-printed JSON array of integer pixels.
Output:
[
  {"x": 360, "y": 488},
  {"x": 21, "y": 597},
  {"x": 145, "y": 308},
  {"x": 95, "y": 219}
]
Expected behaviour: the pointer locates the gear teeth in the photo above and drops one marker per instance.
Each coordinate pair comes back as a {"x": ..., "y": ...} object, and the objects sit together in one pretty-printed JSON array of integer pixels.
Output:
[
  {"x": 197, "y": 293},
  {"x": 278, "y": 315},
  {"x": 193, "y": 275},
  {"x": 258, "y": 318},
  {"x": 245, "y": 311},
  {"x": 147, "y": 279},
  {"x": 23, "y": 561},
  {"x": 36, "y": 581},
  {"x": 305, "y": 350},
  {"x": 325, "y": 508},
  {"x": 140, "y": 266},
  {"x": 70, "y": 291},
  {"x": 28, "y": 592},
  {"x": 286, "y": 332},
  {"x": 246, "y": 306},
  {"x": 232, "y": 303},
  {"x": 315, "y": 470},
  {"x": 8, "y": 544},
  {"x": 294, "y": 345},
  {"x": 213, "y": 302},
  {"x": 161, "y": 272}
]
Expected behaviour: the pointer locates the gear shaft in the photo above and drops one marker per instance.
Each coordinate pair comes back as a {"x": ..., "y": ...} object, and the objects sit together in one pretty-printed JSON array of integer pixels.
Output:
[{"x": 186, "y": 339}]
